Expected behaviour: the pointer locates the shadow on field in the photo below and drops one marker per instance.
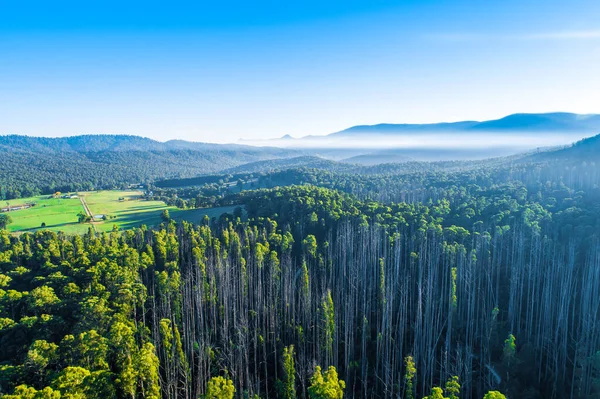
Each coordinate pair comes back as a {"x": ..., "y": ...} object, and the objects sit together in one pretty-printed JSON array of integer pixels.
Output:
[
  {"x": 153, "y": 218},
  {"x": 130, "y": 220},
  {"x": 48, "y": 226},
  {"x": 141, "y": 208}
]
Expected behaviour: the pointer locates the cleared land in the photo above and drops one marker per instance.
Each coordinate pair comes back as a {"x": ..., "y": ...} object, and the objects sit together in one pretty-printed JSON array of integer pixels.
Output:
[
  {"x": 126, "y": 209},
  {"x": 59, "y": 214}
]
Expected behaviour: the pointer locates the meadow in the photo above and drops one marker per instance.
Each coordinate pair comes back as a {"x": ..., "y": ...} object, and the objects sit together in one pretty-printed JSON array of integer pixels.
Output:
[
  {"x": 125, "y": 209},
  {"x": 58, "y": 214}
]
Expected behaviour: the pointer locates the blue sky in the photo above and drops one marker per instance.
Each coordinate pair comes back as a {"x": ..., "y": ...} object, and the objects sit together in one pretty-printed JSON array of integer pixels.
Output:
[{"x": 220, "y": 71}]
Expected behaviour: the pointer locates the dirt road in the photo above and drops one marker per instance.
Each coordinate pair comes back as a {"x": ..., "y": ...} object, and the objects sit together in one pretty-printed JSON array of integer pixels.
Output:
[{"x": 87, "y": 211}]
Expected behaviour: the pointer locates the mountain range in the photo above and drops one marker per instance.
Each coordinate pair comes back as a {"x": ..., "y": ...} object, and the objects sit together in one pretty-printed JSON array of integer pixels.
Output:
[
  {"x": 512, "y": 134},
  {"x": 556, "y": 122}
]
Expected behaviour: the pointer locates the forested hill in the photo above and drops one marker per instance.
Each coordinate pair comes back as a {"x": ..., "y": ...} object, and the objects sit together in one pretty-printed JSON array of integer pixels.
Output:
[
  {"x": 87, "y": 143},
  {"x": 97, "y": 143},
  {"x": 32, "y": 165},
  {"x": 279, "y": 164},
  {"x": 586, "y": 150},
  {"x": 247, "y": 172}
]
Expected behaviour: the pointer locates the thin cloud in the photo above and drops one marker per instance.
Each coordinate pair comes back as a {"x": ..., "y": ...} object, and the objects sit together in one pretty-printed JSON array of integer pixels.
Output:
[
  {"x": 476, "y": 37},
  {"x": 567, "y": 35}
]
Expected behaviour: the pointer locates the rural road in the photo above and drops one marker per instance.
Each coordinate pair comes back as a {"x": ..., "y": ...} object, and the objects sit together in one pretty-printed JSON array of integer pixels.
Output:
[{"x": 87, "y": 211}]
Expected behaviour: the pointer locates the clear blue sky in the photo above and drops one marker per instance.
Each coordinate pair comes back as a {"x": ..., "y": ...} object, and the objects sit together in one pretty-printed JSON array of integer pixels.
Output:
[{"x": 222, "y": 70}]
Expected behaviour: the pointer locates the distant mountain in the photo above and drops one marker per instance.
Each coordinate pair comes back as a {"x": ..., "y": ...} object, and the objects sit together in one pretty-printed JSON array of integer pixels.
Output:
[
  {"x": 391, "y": 128},
  {"x": 549, "y": 122},
  {"x": 465, "y": 140}
]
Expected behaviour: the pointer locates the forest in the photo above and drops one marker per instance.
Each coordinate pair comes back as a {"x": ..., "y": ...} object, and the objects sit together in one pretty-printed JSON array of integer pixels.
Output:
[
  {"x": 34, "y": 165},
  {"x": 454, "y": 280}
]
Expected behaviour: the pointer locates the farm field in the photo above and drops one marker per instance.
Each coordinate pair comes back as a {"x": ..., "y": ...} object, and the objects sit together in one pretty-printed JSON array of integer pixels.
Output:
[
  {"x": 59, "y": 214},
  {"x": 125, "y": 209}
]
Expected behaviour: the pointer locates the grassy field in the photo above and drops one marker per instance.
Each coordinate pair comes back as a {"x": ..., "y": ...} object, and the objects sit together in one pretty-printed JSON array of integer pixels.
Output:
[
  {"x": 57, "y": 213},
  {"x": 126, "y": 209}
]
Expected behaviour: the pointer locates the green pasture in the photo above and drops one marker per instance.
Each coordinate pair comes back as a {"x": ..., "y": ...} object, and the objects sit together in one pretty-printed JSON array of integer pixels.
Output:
[
  {"x": 57, "y": 213},
  {"x": 126, "y": 209}
]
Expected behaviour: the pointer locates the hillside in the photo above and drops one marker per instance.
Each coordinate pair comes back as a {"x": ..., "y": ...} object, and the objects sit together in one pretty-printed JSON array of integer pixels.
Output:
[
  {"x": 377, "y": 158},
  {"x": 120, "y": 143},
  {"x": 286, "y": 163},
  {"x": 250, "y": 170},
  {"x": 586, "y": 150},
  {"x": 33, "y": 165}
]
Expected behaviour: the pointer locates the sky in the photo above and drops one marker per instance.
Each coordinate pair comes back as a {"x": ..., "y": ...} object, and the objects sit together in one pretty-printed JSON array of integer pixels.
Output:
[{"x": 220, "y": 71}]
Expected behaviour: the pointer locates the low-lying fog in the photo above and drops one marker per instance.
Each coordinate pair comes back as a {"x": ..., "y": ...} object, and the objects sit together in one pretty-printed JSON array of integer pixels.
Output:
[
  {"x": 429, "y": 140},
  {"x": 395, "y": 147}
]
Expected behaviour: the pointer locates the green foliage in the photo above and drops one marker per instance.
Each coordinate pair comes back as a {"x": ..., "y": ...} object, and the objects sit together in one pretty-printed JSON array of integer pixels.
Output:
[
  {"x": 121, "y": 338},
  {"x": 305, "y": 280},
  {"x": 310, "y": 245},
  {"x": 494, "y": 395},
  {"x": 328, "y": 322},
  {"x": 42, "y": 299},
  {"x": 436, "y": 393},
  {"x": 147, "y": 365},
  {"x": 26, "y": 392},
  {"x": 453, "y": 388},
  {"x": 289, "y": 369},
  {"x": 219, "y": 388},
  {"x": 409, "y": 376},
  {"x": 83, "y": 217},
  {"x": 40, "y": 355},
  {"x": 326, "y": 385},
  {"x": 5, "y": 220},
  {"x": 510, "y": 349},
  {"x": 71, "y": 382}
]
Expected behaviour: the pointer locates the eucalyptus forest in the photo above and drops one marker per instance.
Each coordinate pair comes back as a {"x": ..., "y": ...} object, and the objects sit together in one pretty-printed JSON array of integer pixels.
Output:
[{"x": 414, "y": 280}]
